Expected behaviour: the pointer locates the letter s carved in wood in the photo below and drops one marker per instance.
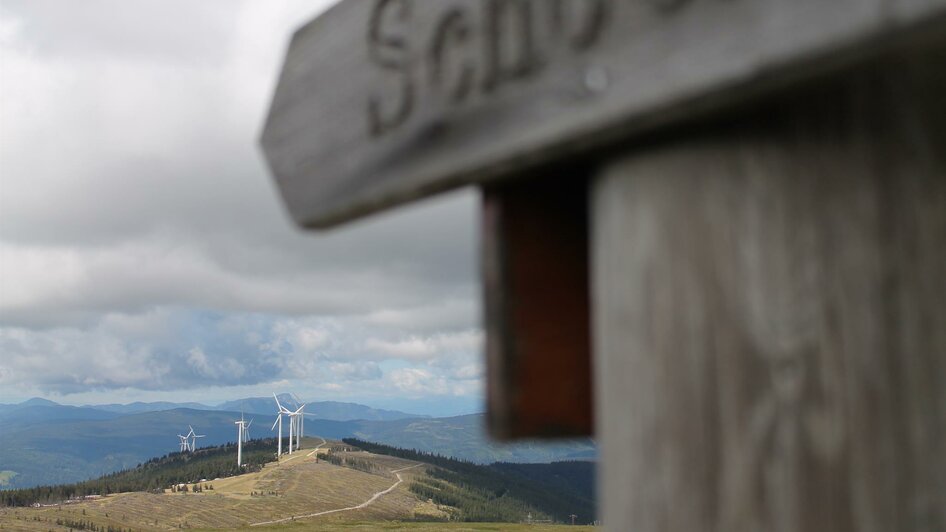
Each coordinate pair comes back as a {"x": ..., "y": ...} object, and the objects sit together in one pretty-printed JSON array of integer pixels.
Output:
[
  {"x": 391, "y": 53},
  {"x": 453, "y": 29}
]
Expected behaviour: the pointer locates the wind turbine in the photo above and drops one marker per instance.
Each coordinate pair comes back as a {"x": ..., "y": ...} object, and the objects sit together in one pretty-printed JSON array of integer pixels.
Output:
[
  {"x": 184, "y": 445},
  {"x": 242, "y": 425},
  {"x": 296, "y": 419},
  {"x": 301, "y": 422},
  {"x": 193, "y": 437},
  {"x": 188, "y": 446},
  {"x": 279, "y": 414}
]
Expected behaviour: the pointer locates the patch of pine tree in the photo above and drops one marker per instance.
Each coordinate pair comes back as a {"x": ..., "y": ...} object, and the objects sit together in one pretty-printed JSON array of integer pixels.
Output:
[
  {"x": 79, "y": 524},
  {"x": 474, "y": 504},
  {"x": 501, "y": 491},
  {"x": 155, "y": 475},
  {"x": 351, "y": 462}
]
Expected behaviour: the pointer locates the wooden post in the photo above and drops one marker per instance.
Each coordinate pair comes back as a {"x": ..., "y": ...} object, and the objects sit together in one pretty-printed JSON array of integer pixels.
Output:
[
  {"x": 769, "y": 302},
  {"x": 535, "y": 280},
  {"x": 767, "y": 232}
]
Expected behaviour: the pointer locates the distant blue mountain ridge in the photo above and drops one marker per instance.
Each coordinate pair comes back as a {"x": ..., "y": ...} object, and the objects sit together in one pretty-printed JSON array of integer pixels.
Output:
[
  {"x": 43, "y": 442},
  {"x": 265, "y": 405}
]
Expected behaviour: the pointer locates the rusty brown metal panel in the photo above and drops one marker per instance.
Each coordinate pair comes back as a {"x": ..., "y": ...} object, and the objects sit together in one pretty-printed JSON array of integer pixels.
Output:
[{"x": 535, "y": 265}]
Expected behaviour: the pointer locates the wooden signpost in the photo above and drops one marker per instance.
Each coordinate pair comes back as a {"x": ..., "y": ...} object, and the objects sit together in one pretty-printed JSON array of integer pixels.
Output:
[
  {"x": 714, "y": 232},
  {"x": 383, "y": 102}
]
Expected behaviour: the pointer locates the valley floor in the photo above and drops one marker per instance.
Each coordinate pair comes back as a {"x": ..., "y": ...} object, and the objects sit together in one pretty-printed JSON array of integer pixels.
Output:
[{"x": 300, "y": 492}]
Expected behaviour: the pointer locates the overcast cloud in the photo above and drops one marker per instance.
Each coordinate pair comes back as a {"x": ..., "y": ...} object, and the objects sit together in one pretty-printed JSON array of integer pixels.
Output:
[{"x": 144, "y": 253}]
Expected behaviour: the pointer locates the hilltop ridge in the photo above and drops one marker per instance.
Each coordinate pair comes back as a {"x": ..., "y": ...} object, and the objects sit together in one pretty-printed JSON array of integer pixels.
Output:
[
  {"x": 46, "y": 444},
  {"x": 326, "y": 480}
]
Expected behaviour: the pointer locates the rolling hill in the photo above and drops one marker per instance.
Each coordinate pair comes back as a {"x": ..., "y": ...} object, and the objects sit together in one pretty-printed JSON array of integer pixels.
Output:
[
  {"x": 60, "y": 451},
  {"x": 34, "y": 414},
  {"x": 140, "y": 407},
  {"x": 327, "y": 484},
  {"x": 44, "y": 443}
]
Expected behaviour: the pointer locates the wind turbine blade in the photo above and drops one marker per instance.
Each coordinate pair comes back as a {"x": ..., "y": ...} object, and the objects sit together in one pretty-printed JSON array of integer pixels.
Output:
[
  {"x": 295, "y": 398},
  {"x": 274, "y": 424},
  {"x": 277, "y": 401}
]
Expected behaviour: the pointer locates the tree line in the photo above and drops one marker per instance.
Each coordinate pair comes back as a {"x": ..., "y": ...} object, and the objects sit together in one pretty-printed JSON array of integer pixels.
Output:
[
  {"x": 500, "y": 491},
  {"x": 351, "y": 462}
]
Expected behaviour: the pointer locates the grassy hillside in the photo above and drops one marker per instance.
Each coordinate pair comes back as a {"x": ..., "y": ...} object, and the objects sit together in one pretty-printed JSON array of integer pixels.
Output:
[
  {"x": 71, "y": 450},
  {"x": 304, "y": 489},
  {"x": 397, "y": 526},
  {"x": 298, "y": 488},
  {"x": 500, "y": 492},
  {"x": 65, "y": 450},
  {"x": 156, "y": 474}
]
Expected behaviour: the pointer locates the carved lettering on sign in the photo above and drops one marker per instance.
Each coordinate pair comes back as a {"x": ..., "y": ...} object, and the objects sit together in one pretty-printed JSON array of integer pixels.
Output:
[
  {"x": 468, "y": 50},
  {"x": 453, "y": 31},
  {"x": 475, "y": 48},
  {"x": 510, "y": 43},
  {"x": 390, "y": 52},
  {"x": 590, "y": 15}
]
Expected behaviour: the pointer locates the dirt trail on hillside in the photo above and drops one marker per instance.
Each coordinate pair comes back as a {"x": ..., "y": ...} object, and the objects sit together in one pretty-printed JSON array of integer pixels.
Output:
[{"x": 376, "y": 496}]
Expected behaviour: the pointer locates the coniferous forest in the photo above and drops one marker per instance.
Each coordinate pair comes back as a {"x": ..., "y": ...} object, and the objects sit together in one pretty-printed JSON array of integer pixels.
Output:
[{"x": 501, "y": 492}]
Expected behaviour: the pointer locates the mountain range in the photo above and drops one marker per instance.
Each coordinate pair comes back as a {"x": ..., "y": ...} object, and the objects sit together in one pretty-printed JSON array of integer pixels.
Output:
[
  {"x": 42, "y": 442},
  {"x": 258, "y": 405}
]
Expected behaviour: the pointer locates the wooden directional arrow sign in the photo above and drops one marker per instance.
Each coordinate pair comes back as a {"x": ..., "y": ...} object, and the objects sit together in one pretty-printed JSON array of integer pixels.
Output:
[{"x": 384, "y": 101}]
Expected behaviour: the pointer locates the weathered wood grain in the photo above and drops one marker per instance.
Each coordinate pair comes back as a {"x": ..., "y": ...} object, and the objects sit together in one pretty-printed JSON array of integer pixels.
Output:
[
  {"x": 383, "y": 101},
  {"x": 769, "y": 296}
]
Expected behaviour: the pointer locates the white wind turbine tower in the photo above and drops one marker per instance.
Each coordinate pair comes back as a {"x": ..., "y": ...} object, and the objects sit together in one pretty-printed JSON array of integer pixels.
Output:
[
  {"x": 301, "y": 423},
  {"x": 242, "y": 436},
  {"x": 296, "y": 418},
  {"x": 184, "y": 445},
  {"x": 279, "y": 413},
  {"x": 292, "y": 428},
  {"x": 279, "y": 440}
]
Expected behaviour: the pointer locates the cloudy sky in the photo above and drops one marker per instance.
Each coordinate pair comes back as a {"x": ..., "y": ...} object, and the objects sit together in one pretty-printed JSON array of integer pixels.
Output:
[{"x": 144, "y": 254}]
